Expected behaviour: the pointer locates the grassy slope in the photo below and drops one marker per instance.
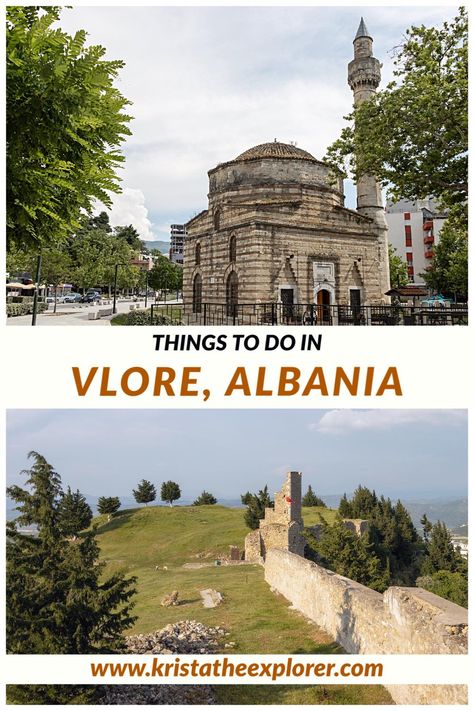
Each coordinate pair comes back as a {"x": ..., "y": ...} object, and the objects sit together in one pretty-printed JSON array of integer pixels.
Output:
[{"x": 259, "y": 621}]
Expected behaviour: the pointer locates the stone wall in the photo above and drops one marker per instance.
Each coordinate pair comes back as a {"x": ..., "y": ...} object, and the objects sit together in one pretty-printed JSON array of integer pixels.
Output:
[{"x": 362, "y": 621}]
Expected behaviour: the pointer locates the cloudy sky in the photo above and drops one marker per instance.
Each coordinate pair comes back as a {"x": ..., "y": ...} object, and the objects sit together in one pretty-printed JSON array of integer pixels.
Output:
[
  {"x": 406, "y": 453},
  {"x": 209, "y": 82}
]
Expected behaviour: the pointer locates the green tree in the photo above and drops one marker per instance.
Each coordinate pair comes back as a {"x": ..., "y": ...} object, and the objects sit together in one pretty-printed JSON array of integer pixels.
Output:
[
  {"x": 441, "y": 552},
  {"x": 398, "y": 268},
  {"x": 386, "y": 138},
  {"x": 65, "y": 124},
  {"x": 427, "y": 526},
  {"x": 74, "y": 512},
  {"x": 451, "y": 586},
  {"x": 348, "y": 554},
  {"x": 145, "y": 492},
  {"x": 448, "y": 271},
  {"x": 310, "y": 499},
  {"x": 256, "y": 505},
  {"x": 108, "y": 505},
  {"x": 170, "y": 492},
  {"x": 131, "y": 236},
  {"x": 165, "y": 275},
  {"x": 59, "y": 598},
  {"x": 205, "y": 499},
  {"x": 55, "y": 268},
  {"x": 345, "y": 509}
]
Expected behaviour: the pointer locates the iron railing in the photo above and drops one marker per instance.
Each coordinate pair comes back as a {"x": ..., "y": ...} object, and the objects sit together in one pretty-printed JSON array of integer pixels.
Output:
[{"x": 278, "y": 314}]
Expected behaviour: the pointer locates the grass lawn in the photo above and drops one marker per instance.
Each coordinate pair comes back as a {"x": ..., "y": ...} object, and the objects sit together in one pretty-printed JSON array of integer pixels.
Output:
[{"x": 259, "y": 621}]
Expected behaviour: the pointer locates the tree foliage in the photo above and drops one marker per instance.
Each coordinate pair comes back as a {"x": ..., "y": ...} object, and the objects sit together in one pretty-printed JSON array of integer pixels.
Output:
[
  {"x": 65, "y": 124},
  {"x": 397, "y": 267},
  {"x": 256, "y": 505},
  {"x": 59, "y": 598},
  {"x": 391, "y": 532},
  {"x": 343, "y": 551},
  {"x": 108, "y": 505},
  {"x": 205, "y": 499},
  {"x": 448, "y": 270},
  {"x": 451, "y": 586},
  {"x": 165, "y": 275},
  {"x": 310, "y": 499},
  {"x": 170, "y": 492},
  {"x": 74, "y": 512},
  {"x": 145, "y": 492},
  {"x": 413, "y": 136}
]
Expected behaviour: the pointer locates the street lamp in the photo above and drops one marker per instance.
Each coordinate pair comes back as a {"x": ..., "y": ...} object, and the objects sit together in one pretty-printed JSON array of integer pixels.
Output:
[
  {"x": 119, "y": 264},
  {"x": 35, "y": 295}
]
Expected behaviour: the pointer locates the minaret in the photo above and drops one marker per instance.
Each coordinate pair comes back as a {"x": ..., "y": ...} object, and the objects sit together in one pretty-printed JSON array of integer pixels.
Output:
[{"x": 363, "y": 78}]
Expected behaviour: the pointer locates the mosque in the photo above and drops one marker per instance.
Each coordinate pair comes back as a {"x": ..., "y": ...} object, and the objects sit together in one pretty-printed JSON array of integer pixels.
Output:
[{"x": 276, "y": 230}]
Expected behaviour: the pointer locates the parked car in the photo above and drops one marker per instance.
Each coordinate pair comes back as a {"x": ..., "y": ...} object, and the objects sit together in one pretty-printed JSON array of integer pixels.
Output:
[
  {"x": 90, "y": 297},
  {"x": 72, "y": 298}
]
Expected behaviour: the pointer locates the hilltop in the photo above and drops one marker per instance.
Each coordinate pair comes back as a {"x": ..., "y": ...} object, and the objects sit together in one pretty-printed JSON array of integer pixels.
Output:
[{"x": 145, "y": 541}]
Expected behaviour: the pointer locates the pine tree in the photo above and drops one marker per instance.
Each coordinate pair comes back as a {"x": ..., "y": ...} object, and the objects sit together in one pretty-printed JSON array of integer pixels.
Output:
[
  {"x": 59, "y": 598},
  {"x": 205, "y": 499},
  {"x": 108, "y": 505},
  {"x": 256, "y": 505},
  {"x": 345, "y": 509},
  {"x": 170, "y": 492},
  {"x": 343, "y": 551},
  {"x": 441, "y": 553},
  {"x": 145, "y": 492},
  {"x": 74, "y": 512},
  {"x": 310, "y": 499}
]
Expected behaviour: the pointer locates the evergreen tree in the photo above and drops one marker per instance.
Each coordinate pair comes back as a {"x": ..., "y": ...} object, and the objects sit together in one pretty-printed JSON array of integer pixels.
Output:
[
  {"x": 427, "y": 526},
  {"x": 74, "y": 512},
  {"x": 256, "y": 505},
  {"x": 310, "y": 499},
  {"x": 441, "y": 553},
  {"x": 108, "y": 505},
  {"x": 205, "y": 499},
  {"x": 348, "y": 554},
  {"x": 451, "y": 586},
  {"x": 246, "y": 498},
  {"x": 345, "y": 509},
  {"x": 59, "y": 598},
  {"x": 170, "y": 492},
  {"x": 145, "y": 492}
]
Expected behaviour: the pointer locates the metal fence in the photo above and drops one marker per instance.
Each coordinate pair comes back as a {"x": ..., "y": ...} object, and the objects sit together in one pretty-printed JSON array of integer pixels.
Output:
[{"x": 278, "y": 314}]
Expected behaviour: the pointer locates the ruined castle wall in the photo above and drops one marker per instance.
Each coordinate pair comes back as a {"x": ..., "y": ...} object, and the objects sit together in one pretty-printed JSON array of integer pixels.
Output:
[{"x": 401, "y": 621}]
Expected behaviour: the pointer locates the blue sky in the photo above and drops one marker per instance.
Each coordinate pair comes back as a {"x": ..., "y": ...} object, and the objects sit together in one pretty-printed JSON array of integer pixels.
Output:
[
  {"x": 209, "y": 82},
  {"x": 406, "y": 453}
]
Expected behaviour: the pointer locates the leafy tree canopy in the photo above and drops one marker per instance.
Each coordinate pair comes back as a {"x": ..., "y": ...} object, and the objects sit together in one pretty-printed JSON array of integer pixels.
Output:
[
  {"x": 108, "y": 505},
  {"x": 205, "y": 499},
  {"x": 145, "y": 492},
  {"x": 165, "y": 275},
  {"x": 448, "y": 271},
  {"x": 65, "y": 124},
  {"x": 170, "y": 492},
  {"x": 413, "y": 136},
  {"x": 397, "y": 267}
]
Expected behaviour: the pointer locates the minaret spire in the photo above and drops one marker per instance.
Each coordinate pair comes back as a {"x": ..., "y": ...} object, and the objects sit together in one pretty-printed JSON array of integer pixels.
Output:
[{"x": 363, "y": 78}]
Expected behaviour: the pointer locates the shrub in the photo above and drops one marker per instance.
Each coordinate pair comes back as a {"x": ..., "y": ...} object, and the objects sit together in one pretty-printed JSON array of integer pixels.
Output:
[
  {"x": 141, "y": 317},
  {"x": 25, "y": 307}
]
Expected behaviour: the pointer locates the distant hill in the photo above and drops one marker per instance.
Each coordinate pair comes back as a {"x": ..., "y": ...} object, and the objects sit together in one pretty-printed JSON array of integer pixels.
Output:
[
  {"x": 452, "y": 511},
  {"x": 163, "y": 246}
]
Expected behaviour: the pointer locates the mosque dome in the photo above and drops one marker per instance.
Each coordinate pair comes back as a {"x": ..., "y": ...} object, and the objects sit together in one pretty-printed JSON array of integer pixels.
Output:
[{"x": 275, "y": 149}]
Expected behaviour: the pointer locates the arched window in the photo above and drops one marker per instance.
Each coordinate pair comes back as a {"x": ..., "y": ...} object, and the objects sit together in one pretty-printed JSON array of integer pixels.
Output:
[
  {"x": 232, "y": 294},
  {"x": 217, "y": 218},
  {"x": 197, "y": 254},
  {"x": 232, "y": 249},
  {"x": 197, "y": 294}
]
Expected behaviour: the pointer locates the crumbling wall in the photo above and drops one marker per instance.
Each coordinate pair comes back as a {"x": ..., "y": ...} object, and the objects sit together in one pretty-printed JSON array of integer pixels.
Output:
[{"x": 401, "y": 621}]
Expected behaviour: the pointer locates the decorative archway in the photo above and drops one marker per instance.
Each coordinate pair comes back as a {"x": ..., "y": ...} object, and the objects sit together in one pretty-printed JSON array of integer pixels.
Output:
[
  {"x": 232, "y": 249},
  {"x": 324, "y": 297},
  {"x": 197, "y": 294},
  {"x": 232, "y": 293},
  {"x": 197, "y": 254}
]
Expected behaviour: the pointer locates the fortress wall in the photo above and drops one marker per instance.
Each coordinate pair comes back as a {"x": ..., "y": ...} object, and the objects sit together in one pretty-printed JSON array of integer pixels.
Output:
[{"x": 401, "y": 621}]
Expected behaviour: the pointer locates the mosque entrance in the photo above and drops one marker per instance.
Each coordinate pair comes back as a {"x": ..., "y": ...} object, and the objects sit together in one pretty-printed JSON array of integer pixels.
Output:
[
  {"x": 287, "y": 300},
  {"x": 324, "y": 306}
]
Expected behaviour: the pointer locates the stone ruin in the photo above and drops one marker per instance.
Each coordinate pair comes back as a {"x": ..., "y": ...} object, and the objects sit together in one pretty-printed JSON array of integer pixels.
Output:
[{"x": 283, "y": 525}]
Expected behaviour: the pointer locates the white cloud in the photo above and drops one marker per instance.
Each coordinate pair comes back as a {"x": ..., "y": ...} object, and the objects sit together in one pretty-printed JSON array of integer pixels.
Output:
[
  {"x": 344, "y": 421},
  {"x": 129, "y": 209}
]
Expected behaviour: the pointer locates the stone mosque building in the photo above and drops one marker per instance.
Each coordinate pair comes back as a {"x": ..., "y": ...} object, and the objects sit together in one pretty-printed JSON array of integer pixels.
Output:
[{"x": 276, "y": 230}]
